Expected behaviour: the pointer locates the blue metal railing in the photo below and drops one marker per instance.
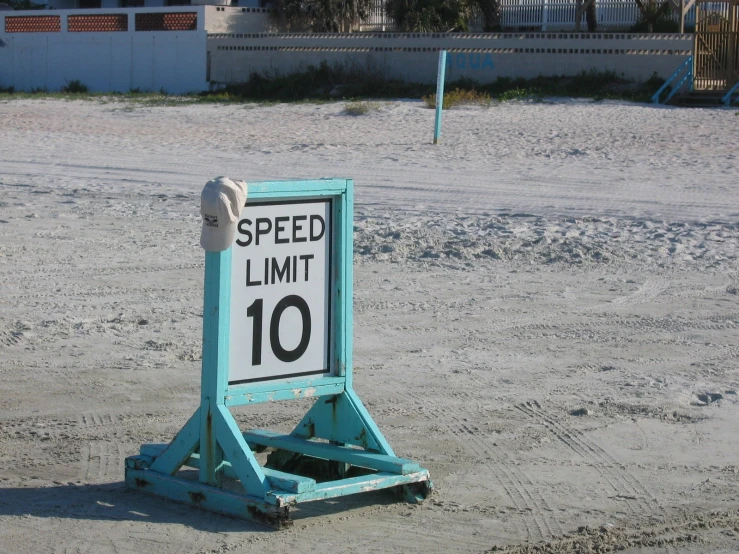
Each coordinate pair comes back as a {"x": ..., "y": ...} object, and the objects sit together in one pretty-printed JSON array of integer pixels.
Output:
[
  {"x": 726, "y": 99},
  {"x": 687, "y": 76}
]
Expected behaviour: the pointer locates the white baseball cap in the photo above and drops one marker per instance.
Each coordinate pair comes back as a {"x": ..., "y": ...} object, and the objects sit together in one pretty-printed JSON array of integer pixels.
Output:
[{"x": 221, "y": 203}]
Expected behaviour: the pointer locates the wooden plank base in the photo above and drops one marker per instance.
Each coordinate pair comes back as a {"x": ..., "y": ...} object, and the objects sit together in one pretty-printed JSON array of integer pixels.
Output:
[
  {"x": 273, "y": 509},
  {"x": 209, "y": 498}
]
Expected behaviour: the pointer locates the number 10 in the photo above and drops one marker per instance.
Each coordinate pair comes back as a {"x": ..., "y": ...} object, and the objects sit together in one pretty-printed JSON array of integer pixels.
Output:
[{"x": 256, "y": 310}]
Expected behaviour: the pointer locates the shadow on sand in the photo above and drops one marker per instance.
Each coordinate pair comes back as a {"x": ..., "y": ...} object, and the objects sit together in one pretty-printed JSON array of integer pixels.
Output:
[{"x": 114, "y": 502}]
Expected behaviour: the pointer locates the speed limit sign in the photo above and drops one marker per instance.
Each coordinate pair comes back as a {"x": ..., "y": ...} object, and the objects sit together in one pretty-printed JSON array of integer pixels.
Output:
[
  {"x": 277, "y": 326},
  {"x": 281, "y": 291}
]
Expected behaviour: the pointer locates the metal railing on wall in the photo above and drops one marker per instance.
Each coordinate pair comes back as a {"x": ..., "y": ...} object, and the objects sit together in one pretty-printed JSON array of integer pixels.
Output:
[
  {"x": 683, "y": 75},
  {"x": 543, "y": 14}
]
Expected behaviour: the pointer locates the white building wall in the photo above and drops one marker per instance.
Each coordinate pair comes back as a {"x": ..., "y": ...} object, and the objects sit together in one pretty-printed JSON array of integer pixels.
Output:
[
  {"x": 237, "y": 20},
  {"x": 106, "y": 61}
]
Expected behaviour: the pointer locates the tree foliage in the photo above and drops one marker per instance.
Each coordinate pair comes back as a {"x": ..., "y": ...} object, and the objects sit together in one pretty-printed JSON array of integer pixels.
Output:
[
  {"x": 652, "y": 12},
  {"x": 490, "y": 11},
  {"x": 24, "y": 5},
  {"x": 591, "y": 18},
  {"x": 426, "y": 16},
  {"x": 323, "y": 16},
  {"x": 432, "y": 16}
]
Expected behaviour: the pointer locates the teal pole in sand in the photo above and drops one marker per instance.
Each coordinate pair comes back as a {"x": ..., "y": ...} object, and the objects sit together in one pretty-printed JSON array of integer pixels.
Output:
[{"x": 439, "y": 94}]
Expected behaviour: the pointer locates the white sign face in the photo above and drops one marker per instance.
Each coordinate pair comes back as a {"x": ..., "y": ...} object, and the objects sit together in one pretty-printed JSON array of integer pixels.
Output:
[{"x": 280, "y": 291}]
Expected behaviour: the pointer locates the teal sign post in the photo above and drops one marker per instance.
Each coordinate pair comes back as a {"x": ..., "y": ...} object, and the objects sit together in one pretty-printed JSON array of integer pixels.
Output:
[
  {"x": 439, "y": 95},
  {"x": 277, "y": 326}
]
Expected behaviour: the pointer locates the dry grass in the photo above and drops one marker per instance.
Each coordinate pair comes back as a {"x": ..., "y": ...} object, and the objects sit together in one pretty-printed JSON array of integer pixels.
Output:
[
  {"x": 361, "y": 108},
  {"x": 460, "y": 97}
]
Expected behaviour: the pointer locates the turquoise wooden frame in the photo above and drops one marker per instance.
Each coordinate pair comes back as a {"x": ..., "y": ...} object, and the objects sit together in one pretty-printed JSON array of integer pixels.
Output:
[
  {"x": 439, "y": 94},
  {"x": 337, "y": 427}
]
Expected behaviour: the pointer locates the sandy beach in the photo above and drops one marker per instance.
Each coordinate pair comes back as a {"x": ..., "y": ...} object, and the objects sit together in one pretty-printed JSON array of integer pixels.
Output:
[{"x": 546, "y": 317}]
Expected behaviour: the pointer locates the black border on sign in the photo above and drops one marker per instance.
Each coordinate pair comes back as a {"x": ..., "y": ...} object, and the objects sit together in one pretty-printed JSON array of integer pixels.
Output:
[{"x": 329, "y": 285}]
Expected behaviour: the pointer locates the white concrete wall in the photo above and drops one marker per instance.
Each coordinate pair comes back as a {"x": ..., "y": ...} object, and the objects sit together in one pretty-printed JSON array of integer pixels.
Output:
[
  {"x": 482, "y": 57},
  {"x": 175, "y": 61},
  {"x": 237, "y": 20}
]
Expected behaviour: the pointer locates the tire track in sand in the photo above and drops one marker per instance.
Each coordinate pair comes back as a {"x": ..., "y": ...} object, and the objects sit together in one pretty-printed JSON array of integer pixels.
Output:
[
  {"x": 652, "y": 287},
  {"x": 11, "y": 338},
  {"x": 626, "y": 486},
  {"x": 527, "y": 500}
]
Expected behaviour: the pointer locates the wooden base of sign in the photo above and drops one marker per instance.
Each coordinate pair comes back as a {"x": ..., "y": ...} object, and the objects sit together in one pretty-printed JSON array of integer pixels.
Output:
[
  {"x": 335, "y": 450},
  {"x": 265, "y": 494}
]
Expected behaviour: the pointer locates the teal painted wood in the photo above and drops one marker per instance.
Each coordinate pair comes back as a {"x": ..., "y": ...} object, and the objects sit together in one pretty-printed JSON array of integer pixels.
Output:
[
  {"x": 345, "y": 286},
  {"x": 439, "y": 95},
  {"x": 688, "y": 63},
  {"x": 266, "y": 190},
  {"x": 180, "y": 449},
  {"x": 209, "y": 498},
  {"x": 688, "y": 77},
  {"x": 282, "y": 482},
  {"x": 372, "y": 429},
  {"x": 237, "y": 452},
  {"x": 241, "y": 395},
  {"x": 354, "y": 456},
  {"x": 726, "y": 98},
  {"x": 354, "y": 485},
  {"x": 216, "y": 322},
  {"x": 334, "y": 418},
  {"x": 214, "y": 375},
  {"x": 211, "y": 453},
  {"x": 141, "y": 461}
]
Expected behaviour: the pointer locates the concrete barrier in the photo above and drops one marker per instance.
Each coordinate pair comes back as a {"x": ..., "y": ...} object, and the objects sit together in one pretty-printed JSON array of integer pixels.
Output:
[{"x": 480, "y": 56}]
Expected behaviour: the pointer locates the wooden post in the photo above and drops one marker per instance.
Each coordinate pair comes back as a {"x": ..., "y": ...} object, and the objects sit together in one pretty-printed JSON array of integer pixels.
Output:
[{"x": 215, "y": 360}]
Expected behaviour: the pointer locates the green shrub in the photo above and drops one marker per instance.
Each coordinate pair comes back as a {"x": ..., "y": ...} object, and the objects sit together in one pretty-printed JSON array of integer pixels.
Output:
[
  {"x": 347, "y": 81},
  {"x": 654, "y": 82},
  {"x": 459, "y": 97},
  {"x": 25, "y": 5},
  {"x": 660, "y": 26},
  {"x": 514, "y": 94},
  {"x": 361, "y": 108},
  {"x": 321, "y": 82},
  {"x": 427, "y": 16},
  {"x": 433, "y": 16},
  {"x": 75, "y": 87}
]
